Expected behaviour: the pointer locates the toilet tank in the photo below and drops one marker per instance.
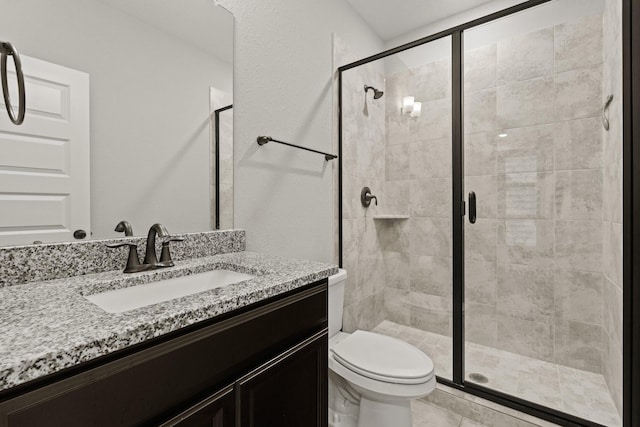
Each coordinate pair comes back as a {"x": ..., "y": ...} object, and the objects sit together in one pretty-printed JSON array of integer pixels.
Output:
[{"x": 336, "y": 301}]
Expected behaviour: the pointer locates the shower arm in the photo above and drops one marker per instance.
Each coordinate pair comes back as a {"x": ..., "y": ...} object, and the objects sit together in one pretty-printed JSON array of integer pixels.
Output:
[{"x": 7, "y": 49}]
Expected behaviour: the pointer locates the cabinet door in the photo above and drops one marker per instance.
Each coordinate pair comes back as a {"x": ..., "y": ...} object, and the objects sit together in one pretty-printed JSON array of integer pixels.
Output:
[
  {"x": 216, "y": 410},
  {"x": 288, "y": 391}
]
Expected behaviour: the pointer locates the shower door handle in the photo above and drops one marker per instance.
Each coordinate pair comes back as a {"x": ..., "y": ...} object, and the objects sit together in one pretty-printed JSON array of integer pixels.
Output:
[{"x": 472, "y": 207}]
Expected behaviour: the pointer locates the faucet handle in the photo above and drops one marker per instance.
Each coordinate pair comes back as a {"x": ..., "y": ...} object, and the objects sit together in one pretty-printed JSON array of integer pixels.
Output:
[
  {"x": 366, "y": 197},
  {"x": 165, "y": 255},
  {"x": 133, "y": 262}
]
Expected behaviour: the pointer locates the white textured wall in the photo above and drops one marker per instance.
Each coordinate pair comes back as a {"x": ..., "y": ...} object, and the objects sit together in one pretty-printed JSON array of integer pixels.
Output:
[{"x": 282, "y": 88}]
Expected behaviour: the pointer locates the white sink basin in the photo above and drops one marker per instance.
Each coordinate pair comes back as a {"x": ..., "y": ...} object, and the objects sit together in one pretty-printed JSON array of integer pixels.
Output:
[{"x": 125, "y": 299}]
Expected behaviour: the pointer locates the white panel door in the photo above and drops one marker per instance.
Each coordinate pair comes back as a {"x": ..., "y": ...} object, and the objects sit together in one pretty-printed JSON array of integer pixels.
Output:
[{"x": 44, "y": 163}]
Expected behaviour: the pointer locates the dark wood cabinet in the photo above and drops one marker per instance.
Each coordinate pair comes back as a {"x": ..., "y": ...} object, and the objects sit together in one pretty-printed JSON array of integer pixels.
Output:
[
  {"x": 217, "y": 410},
  {"x": 290, "y": 391},
  {"x": 265, "y": 365}
]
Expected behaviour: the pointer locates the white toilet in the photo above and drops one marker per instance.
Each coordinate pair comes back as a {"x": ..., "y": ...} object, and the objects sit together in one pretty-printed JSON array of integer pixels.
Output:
[{"x": 372, "y": 378}]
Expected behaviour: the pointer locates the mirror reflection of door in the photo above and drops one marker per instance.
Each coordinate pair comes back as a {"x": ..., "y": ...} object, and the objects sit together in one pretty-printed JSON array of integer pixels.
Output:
[
  {"x": 44, "y": 172},
  {"x": 151, "y": 64}
]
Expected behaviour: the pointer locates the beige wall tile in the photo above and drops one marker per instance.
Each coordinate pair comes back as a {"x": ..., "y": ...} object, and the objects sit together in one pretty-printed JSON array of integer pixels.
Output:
[
  {"x": 578, "y": 144},
  {"x": 525, "y": 57},
  {"x": 430, "y": 159},
  {"x": 434, "y": 121},
  {"x": 527, "y": 149},
  {"x": 579, "y": 245},
  {"x": 396, "y": 129},
  {"x": 396, "y": 306},
  {"x": 526, "y": 289},
  {"x": 480, "y": 154},
  {"x": 481, "y": 326},
  {"x": 431, "y": 81},
  {"x": 431, "y": 275},
  {"x": 612, "y": 192},
  {"x": 612, "y": 369},
  {"x": 526, "y": 337},
  {"x": 526, "y": 195},
  {"x": 480, "y": 68},
  {"x": 578, "y": 296},
  {"x": 397, "y": 165},
  {"x": 579, "y": 194},
  {"x": 578, "y": 44},
  {"x": 364, "y": 314},
  {"x": 523, "y": 241},
  {"x": 525, "y": 103},
  {"x": 431, "y": 313},
  {"x": 397, "y": 273},
  {"x": 612, "y": 252},
  {"x": 578, "y": 93},
  {"x": 397, "y": 197},
  {"x": 481, "y": 282},
  {"x": 612, "y": 20},
  {"x": 612, "y": 309},
  {"x": 480, "y": 111},
  {"x": 480, "y": 239},
  {"x": 371, "y": 275},
  {"x": 579, "y": 345},
  {"x": 431, "y": 198},
  {"x": 430, "y": 236}
]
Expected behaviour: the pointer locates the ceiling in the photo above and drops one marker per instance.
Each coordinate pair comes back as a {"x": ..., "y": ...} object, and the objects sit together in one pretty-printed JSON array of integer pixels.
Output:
[
  {"x": 390, "y": 19},
  {"x": 202, "y": 23}
]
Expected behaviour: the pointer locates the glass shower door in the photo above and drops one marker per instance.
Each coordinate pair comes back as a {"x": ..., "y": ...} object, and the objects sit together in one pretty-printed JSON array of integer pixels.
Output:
[{"x": 534, "y": 322}]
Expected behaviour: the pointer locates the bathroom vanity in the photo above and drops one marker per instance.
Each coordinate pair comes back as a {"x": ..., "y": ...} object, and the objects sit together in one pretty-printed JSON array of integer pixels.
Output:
[{"x": 248, "y": 354}]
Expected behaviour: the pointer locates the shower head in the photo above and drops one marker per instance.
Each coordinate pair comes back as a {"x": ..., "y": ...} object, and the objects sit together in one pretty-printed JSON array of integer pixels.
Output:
[{"x": 377, "y": 94}]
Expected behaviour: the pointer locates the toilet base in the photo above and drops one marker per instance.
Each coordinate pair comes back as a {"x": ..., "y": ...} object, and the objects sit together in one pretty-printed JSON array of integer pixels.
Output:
[{"x": 384, "y": 414}]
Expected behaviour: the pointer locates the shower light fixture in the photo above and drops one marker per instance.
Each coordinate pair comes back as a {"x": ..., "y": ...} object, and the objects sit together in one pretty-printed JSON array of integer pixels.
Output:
[
  {"x": 411, "y": 107},
  {"x": 407, "y": 104},
  {"x": 417, "y": 109},
  {"x": 502, "y": 135}
]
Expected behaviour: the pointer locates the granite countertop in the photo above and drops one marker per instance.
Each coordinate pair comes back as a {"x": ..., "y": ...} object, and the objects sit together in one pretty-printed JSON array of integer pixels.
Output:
[{"x": 48, "y": 326}]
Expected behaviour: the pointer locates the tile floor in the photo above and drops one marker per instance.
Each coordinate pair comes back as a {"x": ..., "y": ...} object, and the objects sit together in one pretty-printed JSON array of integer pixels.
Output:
[
  {"x": 577, "y": 392},
  {"x": 428, "y": 415}
]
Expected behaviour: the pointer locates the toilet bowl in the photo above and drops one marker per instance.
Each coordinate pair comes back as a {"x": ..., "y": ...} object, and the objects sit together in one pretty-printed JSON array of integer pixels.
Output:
[{"x": 373, "y": 378}]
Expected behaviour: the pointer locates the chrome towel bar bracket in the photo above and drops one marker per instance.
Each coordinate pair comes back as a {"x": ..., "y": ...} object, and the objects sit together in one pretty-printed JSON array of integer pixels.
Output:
[{"x": 7, "y": 49}]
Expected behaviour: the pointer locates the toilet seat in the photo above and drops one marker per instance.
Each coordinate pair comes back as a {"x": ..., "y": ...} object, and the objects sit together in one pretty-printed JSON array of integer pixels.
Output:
[{"x": 383, "y": 358}]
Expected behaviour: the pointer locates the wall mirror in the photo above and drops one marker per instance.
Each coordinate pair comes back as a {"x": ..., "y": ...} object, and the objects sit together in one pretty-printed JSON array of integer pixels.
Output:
[{"x": 121, "y": 102}]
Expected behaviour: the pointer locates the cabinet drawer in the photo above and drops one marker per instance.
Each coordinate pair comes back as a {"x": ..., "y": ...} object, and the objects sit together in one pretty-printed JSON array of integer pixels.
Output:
[{"x": 152, "y": 384}]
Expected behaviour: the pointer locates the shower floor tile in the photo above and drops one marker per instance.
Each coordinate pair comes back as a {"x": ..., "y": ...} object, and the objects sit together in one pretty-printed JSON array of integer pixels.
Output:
[{"x": 576, "y": 392}]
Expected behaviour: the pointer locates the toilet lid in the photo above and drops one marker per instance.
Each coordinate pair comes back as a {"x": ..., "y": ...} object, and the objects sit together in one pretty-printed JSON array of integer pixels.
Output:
[{"x": 383, "y": 358}]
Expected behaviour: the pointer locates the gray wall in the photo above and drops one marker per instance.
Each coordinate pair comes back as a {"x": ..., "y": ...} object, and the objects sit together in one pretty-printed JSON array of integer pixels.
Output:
[{"x": 283, "y": 88}]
